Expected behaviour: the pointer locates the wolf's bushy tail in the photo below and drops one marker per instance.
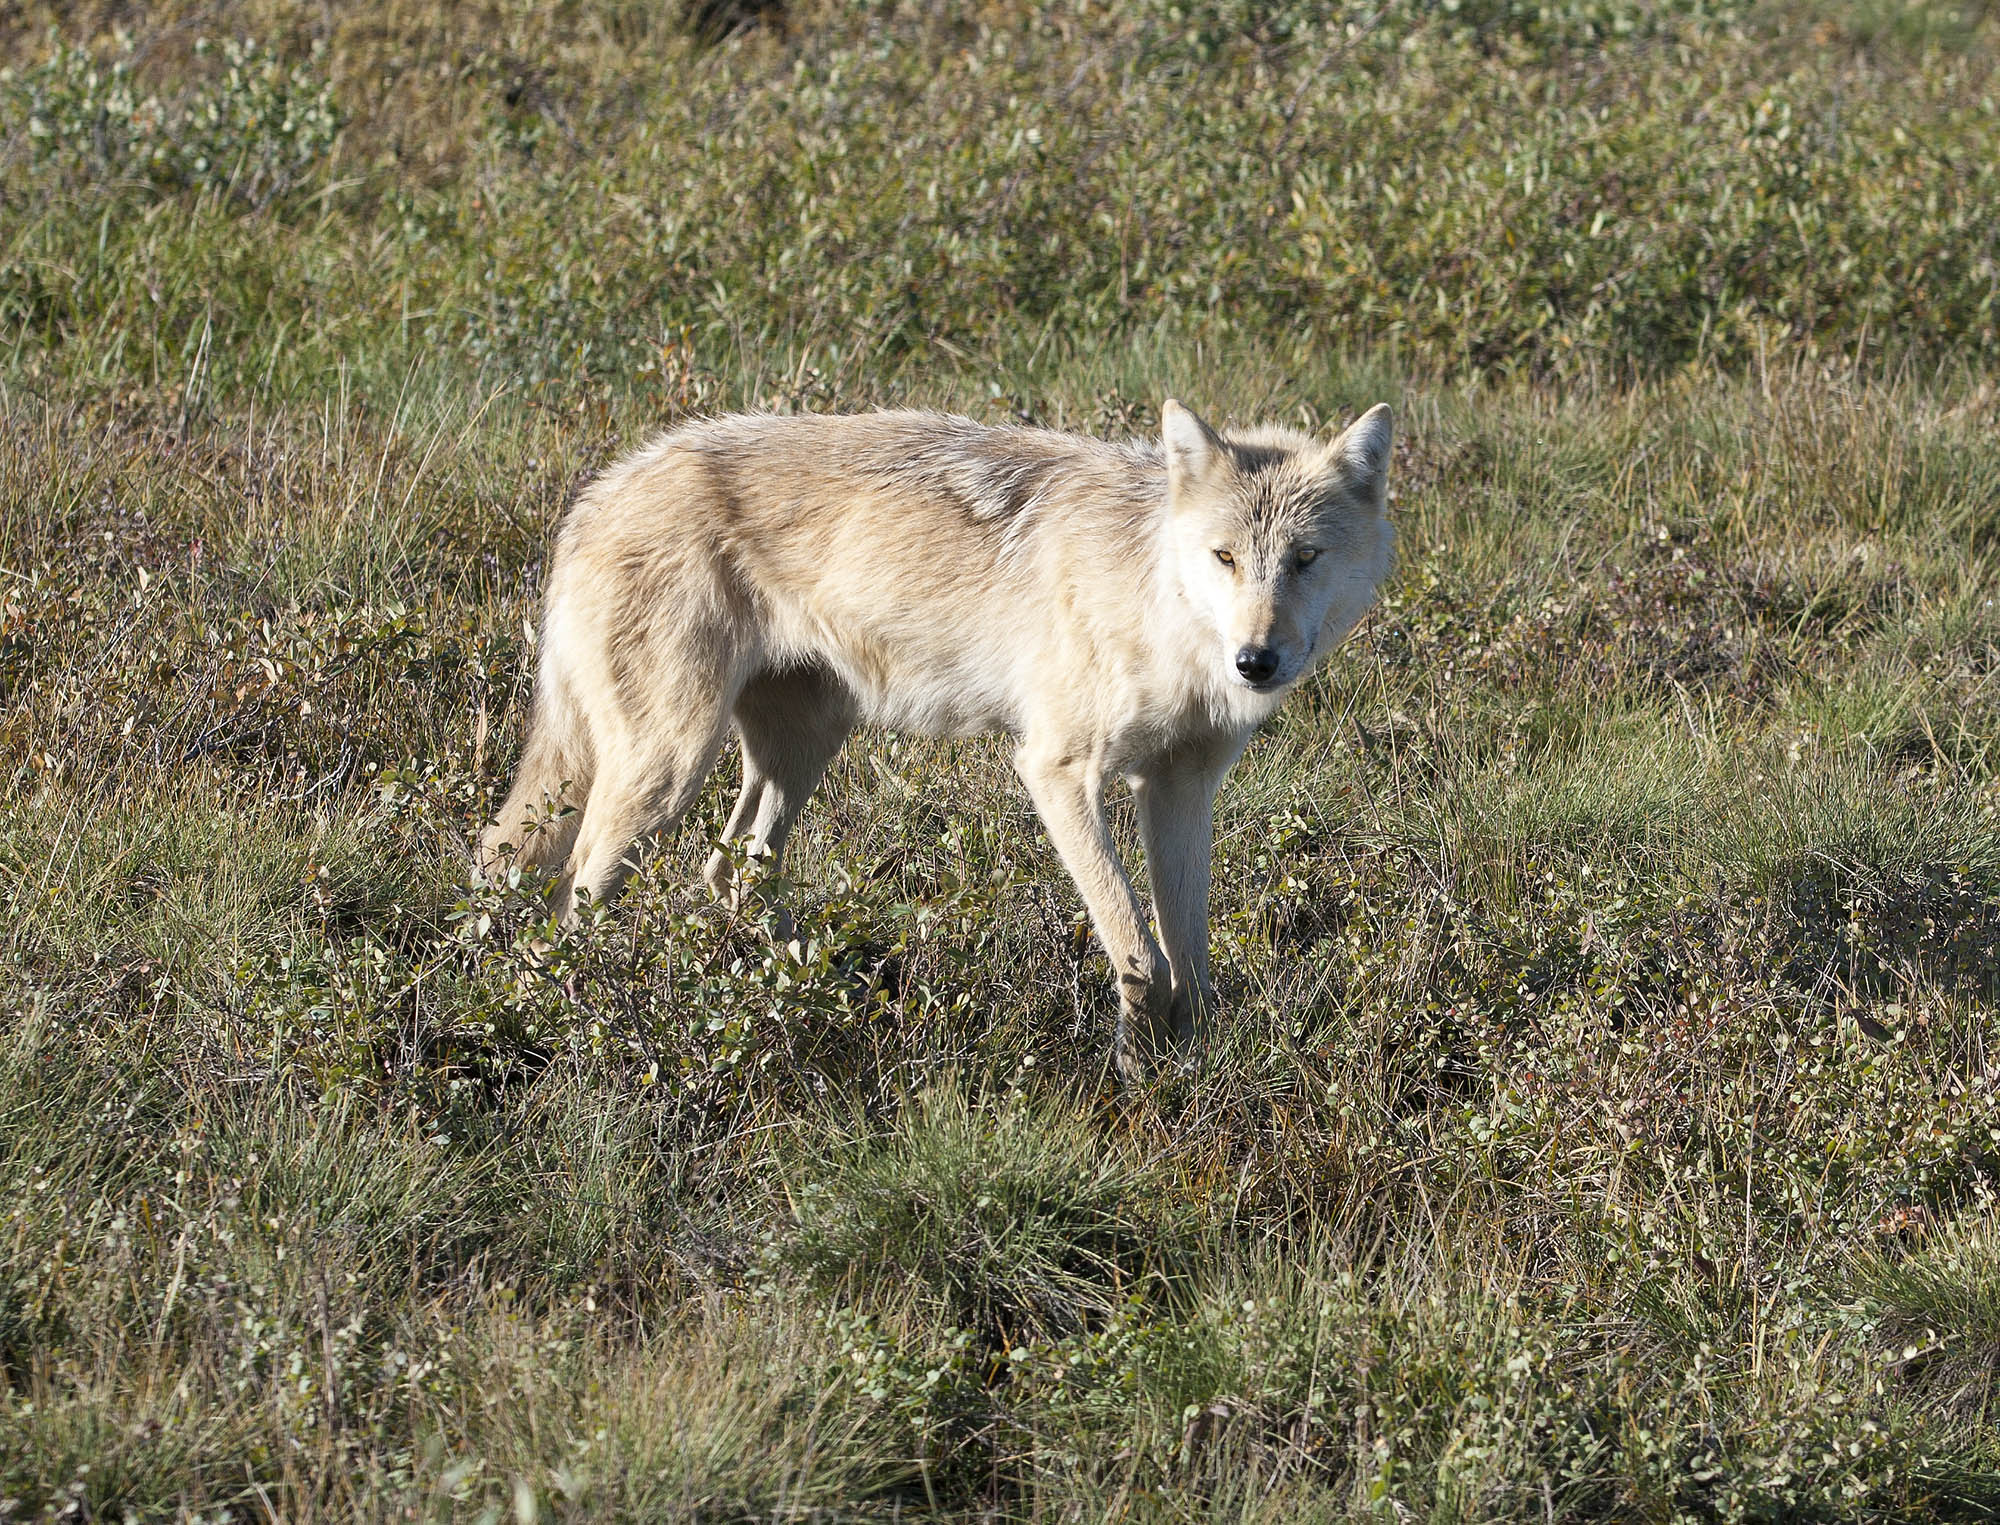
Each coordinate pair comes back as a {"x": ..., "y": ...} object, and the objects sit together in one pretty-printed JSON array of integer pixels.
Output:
[{"x": 536, "y": 827}]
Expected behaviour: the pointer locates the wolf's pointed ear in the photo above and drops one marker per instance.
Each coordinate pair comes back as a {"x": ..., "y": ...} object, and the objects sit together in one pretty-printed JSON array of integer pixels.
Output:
[
  {"x": 1193, "y": 448},
  {"x": 1361, "y": 453}
]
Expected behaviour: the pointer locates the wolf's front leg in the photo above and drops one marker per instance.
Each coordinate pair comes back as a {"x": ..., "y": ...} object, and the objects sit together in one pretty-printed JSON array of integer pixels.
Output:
[
  {"x": 1176, "y": 800},
  {"x": 1068, "y": 790}
]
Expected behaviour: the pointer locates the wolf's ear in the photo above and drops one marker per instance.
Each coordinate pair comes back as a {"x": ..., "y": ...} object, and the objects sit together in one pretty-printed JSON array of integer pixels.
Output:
[
  {"x": 1361, "y": 453},
  {"x": 1193, "y": 449}
]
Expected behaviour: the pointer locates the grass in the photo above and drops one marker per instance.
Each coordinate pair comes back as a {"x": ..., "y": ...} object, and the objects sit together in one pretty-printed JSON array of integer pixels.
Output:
[{"x": 1604, "y": 1124}]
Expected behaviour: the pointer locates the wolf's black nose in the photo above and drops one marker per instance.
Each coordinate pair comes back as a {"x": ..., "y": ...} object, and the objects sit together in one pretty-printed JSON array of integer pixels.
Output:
[{"x": 1257, "y": 663}]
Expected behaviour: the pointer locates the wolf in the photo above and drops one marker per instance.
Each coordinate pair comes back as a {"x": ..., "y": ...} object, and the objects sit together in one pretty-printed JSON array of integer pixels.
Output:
[{"x": 1131, "y": 610}]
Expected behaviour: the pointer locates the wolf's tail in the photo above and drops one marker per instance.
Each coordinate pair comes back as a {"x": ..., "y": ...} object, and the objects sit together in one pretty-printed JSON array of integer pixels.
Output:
[{"x": 537, "y": 826}]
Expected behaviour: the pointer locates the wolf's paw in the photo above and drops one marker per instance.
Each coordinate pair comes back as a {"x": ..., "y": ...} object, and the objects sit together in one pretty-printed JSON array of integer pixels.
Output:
[
  {"x": 721, "y": 876},
  {"x": 776, "y": 917},
  {"x": 1155, "y": 1029},
  {"x": 748, "y": 883}
]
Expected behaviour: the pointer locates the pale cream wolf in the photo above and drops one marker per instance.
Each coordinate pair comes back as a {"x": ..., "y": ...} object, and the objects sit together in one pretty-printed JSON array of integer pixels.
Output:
[{"x": 1119, "y": 609}]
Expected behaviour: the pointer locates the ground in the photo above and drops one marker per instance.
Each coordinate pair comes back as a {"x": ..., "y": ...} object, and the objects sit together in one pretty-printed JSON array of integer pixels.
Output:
[{"x": 1604, "y": 1119}]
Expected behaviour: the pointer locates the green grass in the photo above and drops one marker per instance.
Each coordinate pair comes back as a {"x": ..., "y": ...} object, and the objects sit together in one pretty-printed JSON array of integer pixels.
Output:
[{"x": 1604, "y": 1123}]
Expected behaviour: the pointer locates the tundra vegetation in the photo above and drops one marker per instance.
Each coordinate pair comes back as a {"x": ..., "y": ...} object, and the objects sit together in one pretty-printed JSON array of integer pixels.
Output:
[{"x": 1605, "y": 1124}]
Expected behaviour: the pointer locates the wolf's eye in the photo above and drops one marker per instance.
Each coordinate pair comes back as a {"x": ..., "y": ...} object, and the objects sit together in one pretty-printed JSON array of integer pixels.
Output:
[
  {"x": 1305, "y": 558},
  {"x": 1225, "y": 558}
]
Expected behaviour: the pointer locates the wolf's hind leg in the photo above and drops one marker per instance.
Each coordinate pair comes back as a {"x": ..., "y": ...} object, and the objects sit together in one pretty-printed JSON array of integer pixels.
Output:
[
  {"x": 645, "y": 788},
  {"x": 792, "y": 723}
]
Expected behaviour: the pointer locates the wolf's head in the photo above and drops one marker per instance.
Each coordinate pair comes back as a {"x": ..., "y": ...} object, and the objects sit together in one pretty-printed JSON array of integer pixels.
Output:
[{"x": 1278, "y": 540}]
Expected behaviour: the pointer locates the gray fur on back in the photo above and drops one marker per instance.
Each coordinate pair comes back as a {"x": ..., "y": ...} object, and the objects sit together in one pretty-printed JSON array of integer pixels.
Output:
[{"x": 993, "y": 474}]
